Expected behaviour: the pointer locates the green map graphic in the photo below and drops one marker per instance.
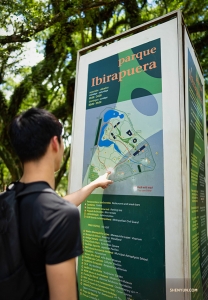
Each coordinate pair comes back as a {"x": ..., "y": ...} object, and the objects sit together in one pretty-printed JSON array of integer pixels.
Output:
[{"x": 119, "y": 148}]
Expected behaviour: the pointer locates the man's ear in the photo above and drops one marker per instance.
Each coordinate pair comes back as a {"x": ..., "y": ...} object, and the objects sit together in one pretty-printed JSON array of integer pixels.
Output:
[{"x": 55, "y": 143}]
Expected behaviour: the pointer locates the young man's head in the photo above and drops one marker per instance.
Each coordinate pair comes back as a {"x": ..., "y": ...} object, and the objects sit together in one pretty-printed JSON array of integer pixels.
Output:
[{"x": 31, "y": 133}]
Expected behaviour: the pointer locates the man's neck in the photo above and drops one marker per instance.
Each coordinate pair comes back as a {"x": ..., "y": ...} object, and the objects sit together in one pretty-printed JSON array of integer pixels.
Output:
[{"x": 38, "y": 171}]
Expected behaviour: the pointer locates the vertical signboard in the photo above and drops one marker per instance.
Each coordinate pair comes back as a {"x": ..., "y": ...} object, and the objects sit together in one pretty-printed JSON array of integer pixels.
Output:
[
  {"x": 132, "y": 230},
  {"x": 123, "y": 226},
  {"x": 196, "y": 165}
]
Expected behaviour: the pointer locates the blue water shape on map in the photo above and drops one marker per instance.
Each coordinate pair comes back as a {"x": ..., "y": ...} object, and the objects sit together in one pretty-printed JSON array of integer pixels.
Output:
[
  {"x": 106, "y": 143},
  {"x": 112, "y": 114}
]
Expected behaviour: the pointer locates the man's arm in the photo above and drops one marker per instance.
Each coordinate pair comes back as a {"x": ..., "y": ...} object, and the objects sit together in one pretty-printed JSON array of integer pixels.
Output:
[
  {"x": 78, "y": 197},
  {"x": 62, "y": 280}
]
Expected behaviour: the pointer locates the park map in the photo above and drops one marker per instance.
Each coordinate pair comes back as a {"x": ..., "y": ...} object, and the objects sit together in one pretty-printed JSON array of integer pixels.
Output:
[{"x": 119, "y": 148}]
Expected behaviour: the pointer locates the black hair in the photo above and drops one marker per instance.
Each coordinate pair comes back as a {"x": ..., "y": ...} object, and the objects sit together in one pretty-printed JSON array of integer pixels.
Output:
[{"x": 31, "y": 131}]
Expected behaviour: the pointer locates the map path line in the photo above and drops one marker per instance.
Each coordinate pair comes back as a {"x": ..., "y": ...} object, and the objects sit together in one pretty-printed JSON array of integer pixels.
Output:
[
  {"x": 100, "y": 160},
  {"x": 121, "y": 152}
]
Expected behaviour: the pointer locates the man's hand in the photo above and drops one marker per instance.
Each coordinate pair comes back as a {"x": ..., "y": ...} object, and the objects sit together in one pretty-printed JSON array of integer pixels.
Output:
[
  {"x": 78, "y": 197},
  {"x": 103, "y": 181}
]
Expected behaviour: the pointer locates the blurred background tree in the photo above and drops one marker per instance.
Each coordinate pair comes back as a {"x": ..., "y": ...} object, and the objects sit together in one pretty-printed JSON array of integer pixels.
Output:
[{"x": 57, "y": 29}]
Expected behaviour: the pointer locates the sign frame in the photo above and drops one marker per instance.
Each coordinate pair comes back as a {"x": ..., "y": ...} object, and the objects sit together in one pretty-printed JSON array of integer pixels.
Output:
[{"x": 177, "y": 267}]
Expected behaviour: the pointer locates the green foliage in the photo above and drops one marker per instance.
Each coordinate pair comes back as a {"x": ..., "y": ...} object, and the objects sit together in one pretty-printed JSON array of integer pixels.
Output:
[
  {"x": 60, "y": 28},
  {"x": 5, "y": 176}
]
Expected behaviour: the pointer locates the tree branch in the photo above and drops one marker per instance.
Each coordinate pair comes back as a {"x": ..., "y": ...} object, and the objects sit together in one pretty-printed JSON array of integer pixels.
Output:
[
  {"x": 143, "y": 4},
  {"x": 198, "y": 27},
  {"x": 10, "y": 164},
  {"x": 19, "y": 95},
  {"x": 201, "y": 44},
  {"x": 25, "y": 35},
  {"x": 98, "y": 4},
  {"x": 132, "y": 12},
  {"x": 112, "y": 30},
  {"x": 3, "y": 107}
]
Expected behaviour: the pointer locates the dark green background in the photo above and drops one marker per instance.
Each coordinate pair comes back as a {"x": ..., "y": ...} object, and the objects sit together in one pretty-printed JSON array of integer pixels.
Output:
[
  {"x": 195, "y": 138},
  {"x": 109, "y": 66},
  {"x": 148, "y": 278}
]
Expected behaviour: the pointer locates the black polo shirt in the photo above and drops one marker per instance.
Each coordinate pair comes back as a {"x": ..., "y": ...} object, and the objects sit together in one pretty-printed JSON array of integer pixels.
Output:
[{"x": 49, "y": 229}]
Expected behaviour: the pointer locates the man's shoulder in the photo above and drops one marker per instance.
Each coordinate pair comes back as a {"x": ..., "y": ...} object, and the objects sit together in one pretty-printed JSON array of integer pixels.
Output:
[
  {"x": 53, "y": 203},
  {"x": 45, "y": 201}
]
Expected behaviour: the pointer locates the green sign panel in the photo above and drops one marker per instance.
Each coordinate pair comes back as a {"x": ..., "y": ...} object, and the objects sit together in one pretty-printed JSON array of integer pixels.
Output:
[
  {"x": 198, "y": 226},
  {"x": 123, "y": 226}
]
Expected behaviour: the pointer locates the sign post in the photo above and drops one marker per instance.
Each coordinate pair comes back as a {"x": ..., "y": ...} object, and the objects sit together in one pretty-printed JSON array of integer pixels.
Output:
[{"x": 145, "y": 236}]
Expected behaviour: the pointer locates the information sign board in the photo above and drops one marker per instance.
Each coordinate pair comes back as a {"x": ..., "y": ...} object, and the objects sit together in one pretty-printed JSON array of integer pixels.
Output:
[
  {"x": 123, "y": 227},
  {"x": 197, "y": 142},
  {"x": 145, "y": 236}
]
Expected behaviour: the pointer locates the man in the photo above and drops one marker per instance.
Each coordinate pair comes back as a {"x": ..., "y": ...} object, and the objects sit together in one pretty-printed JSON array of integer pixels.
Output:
[{"x": 49, "y": 225}]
